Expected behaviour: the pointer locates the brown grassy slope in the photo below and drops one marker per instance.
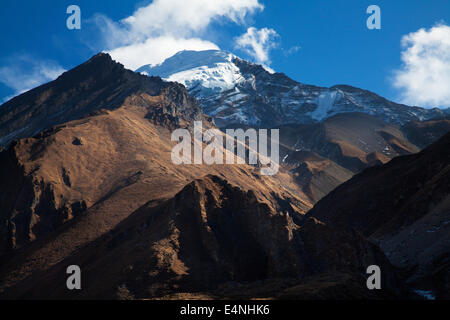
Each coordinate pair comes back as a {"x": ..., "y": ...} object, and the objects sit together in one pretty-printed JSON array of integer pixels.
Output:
[
  {"x": 324, "y": 155},
  {"x": 99, "y": 83},
  {"x": 111, "y": 164},
  {"x": 316, "y": 175},
  {"x": 354, "y": 141}
]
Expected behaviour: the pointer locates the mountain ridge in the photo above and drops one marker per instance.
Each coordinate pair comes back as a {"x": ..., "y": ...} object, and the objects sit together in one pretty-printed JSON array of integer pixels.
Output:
[
  {"x": 100, "y": 83},
  {"x": 259, "y": 98}
]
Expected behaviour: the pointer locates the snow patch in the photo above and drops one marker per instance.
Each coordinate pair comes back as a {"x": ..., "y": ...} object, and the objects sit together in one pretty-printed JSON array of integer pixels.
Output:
[
  {"x": 325, "y": 103},
  {"x": 212, "y": 71}
]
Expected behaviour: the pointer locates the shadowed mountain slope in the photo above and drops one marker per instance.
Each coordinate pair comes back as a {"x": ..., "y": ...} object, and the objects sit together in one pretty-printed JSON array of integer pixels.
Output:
[
  {"x": 405, "y": 206},
  {"x": 213, "y": 237},
  {"x": 316, "y": 175},
  {"x": 424, "y": 133}
]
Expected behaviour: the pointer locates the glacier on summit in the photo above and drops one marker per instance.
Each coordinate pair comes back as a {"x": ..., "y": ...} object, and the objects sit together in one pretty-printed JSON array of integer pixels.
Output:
[
  {"x": 235, "y": 91},
  {"x": 213, "y": 71}
]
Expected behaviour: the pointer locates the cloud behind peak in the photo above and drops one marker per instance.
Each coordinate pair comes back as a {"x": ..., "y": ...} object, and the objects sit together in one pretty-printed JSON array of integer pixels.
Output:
[
  {"x": 424, "y": 78},
  {"x": 164, "y": 27}
]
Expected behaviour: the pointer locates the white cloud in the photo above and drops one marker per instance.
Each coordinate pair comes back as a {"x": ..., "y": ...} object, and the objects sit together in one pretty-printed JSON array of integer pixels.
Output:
[
  {"x": 424, "y": 78},
  {"x": 156, "y": 50},
  {"x": 258, "y": 43},
  {"x": 25, "y": 72},
  {"x": 164, "y": 27},
  {"x": 177, "y": 17},
  {"x": 292, "y": 50}
]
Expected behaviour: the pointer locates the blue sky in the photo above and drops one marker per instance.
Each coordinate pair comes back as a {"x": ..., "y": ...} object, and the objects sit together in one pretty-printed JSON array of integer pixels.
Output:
[{"x": 315, "y": 42}]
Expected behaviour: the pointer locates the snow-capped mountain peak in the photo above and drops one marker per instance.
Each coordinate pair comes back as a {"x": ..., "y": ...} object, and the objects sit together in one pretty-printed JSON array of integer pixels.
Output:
[
  {"x": 235, "y": 91},
  {"x": 211, "y": 70}
]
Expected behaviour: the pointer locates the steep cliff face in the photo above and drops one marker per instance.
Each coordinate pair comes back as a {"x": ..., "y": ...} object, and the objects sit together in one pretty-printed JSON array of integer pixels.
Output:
[
  {"x": 30, "y": 206},
  {"x": 210, "y": 235}
]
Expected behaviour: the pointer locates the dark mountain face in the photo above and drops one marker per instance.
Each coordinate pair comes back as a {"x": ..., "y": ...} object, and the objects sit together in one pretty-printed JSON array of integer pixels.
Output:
[
  {"x": 210, "y": 236},
  {"x": 100, "y": 83},
  {"x": 424, "y": 133},
  {"x": 404, "y": 206}
]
